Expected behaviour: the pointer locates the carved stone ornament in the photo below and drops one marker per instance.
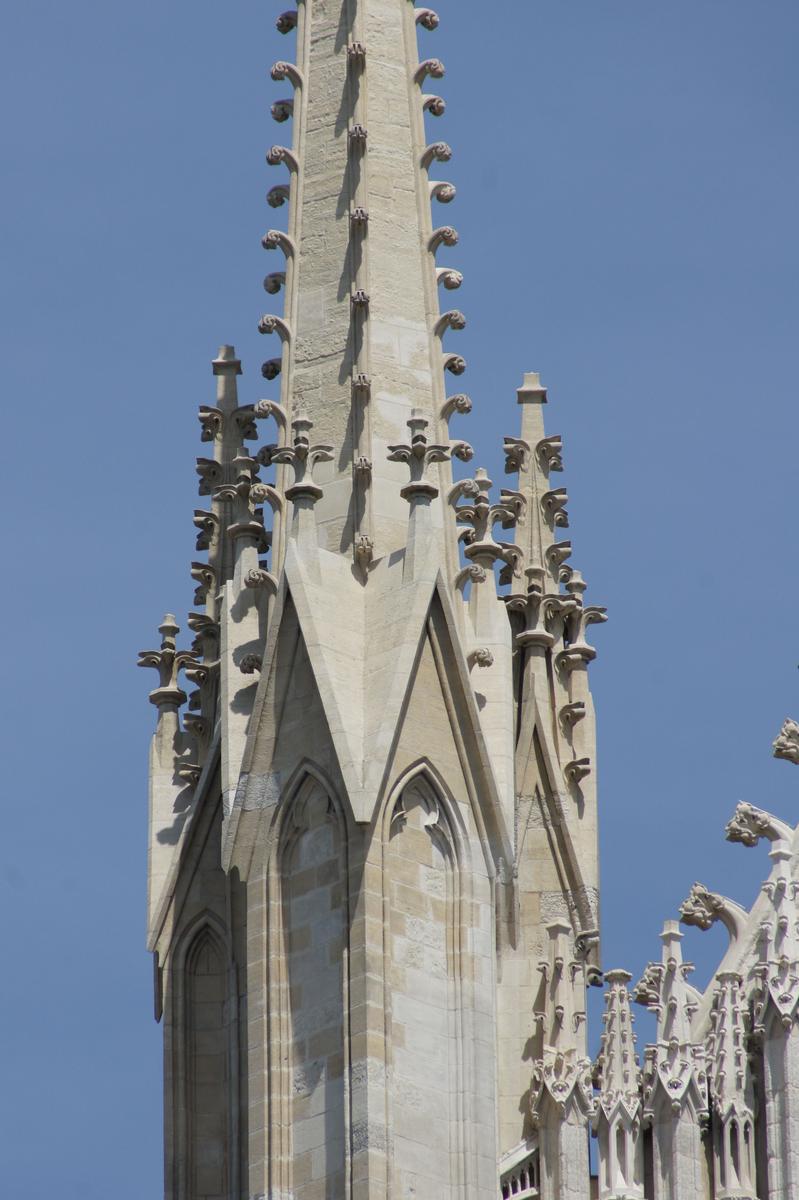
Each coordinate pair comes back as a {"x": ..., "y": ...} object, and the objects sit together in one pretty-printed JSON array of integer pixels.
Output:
[
  {"x": 562, "y": 1073},
  {"x": 363, "y": 549},
  {"x": 359, "y": 217},
  {"x": 786, "y": 745},
  {"x": 449, "y": 279},
  {"x": 577, "y": 770},
  {"x": 271, "y": 368},
  {"x": 778, "y": 945},
  {"x": 356, "y": 54},
  {"x": 455, "y": 364},
  {"x": 286, "y": 21},
  {"x": 427, "y": 18},
  {"x": 481, "y": 657},
  {"x": 442, "y": 191},
  {"x": 460, "y": 403},
  {"x": 207, "y": 523},
  {"x": 553, "y": 506},
  {"x": 616, "y": 1068},
  {"x": 750, "y": 824},
  {"x": 481, "y": 516},
  {"x": 445, "y": 235},
  {"x": 702, "y": 908},
  {"x": 549, "y": 451},
  {"x": 251, "y": 664},
  {"x": 675, "y": 1065},
  {"x": 461, "y": 450},
  {"x": 556, "y": 555},
  {"x": 517, "y": 453},
  {"x": 418, "y": 454},
  {"x": 360, "y": 299},
  {"x": 276, "y": 239},
  {"x": 205, "y": 577},
  {"x": 570, "y": 714},
  {"x": 210, "y": 473},
  {"x": 282, "y": 110},
  {"x": 561, "y": 1077},
  {"x": 432, "y": 67},
  {"x": 435, "y": 105},
  {"x": 435, "y": 152},
  {"x": 274, "y": 281},
  {"x": 272, "y": 324},
  {"x": 471, "y": 573},
  {"x": 454, "y": 319},
  {"x": 362, "y": 466},
  {"x": 263, "y": 409},
  {"x": 260, "y": 578},
  {"x": 286, "y": 70},
  {"x": 189, "y": 773},
  {"x": 168, "y": 661},
  {"x": 302, "y": 457},
  {"x": 281, "y": 154},
  {"x": 357, "y": 136},
  {"x": 276, "y": 197}
]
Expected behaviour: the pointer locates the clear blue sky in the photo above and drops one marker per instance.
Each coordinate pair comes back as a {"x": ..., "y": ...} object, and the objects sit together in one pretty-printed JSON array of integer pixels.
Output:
[{"x": 628, "y": 188}]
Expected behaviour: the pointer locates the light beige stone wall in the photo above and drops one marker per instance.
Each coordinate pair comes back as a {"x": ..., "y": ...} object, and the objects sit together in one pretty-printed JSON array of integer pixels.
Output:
[
  {"x": 315, "y": 914},
  {"x": 202, "y": 985},
  {"x": 423, "y": 1020},
  {"x": 208, "y": 1069}
]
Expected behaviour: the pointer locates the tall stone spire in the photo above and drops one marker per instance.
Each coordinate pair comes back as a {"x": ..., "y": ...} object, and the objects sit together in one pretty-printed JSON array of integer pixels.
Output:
[
  {"x": 379, "y": 811},
  {"x": 362, "y": 337}
]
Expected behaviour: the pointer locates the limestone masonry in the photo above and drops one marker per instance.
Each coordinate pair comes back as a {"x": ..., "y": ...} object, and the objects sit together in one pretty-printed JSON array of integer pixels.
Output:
[{"x": 373, "y": 881}]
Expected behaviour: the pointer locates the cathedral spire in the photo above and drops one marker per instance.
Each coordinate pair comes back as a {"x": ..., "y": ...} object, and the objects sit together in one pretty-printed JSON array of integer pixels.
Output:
[{"x": 361, "y": 341}]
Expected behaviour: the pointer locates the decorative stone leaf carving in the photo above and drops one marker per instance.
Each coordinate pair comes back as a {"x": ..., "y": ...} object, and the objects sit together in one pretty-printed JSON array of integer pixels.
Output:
[
  {"x": 418, "y": 454},
  {"x": 702, "y": 908},
  {"x": 281, "y": 154},
  {"x": 286, "y": 70},
  {"x": 282, "y": 110},
  {"x": 427, "y": 18},
  {"x": 448, "y": 278},
  {"x": 276, "y": 197},
  {"x": 271, "y": 368},
  {"x": 272, "y": 324},
  {"x": 432, "y": 67},
  {"x": 168, "y": 661},
  {"x": 435, "y": 152},
  {"x": 786, "y": 745},
  {"x": 445, "y": 235},
  {"x": 274, "y": 281},
  {"x": 454, "y": 364},
  {"x": 276, "y": 239},
  {"x": 549, "y": 451},
  {"x": 441, "y": 191},
  {"x": 435, "y": 105},
  {"x": 287, "y": 21},
  {"x": 302, "y": 457},
  {"x": 454, "y": 319},
  {"x": 208, "y": 525},
  {"x": 517, "y": 452},
  {"x": 460, "y": 403},
  {"x": 750, "y": 824},
  {"x": 553, "y": 506}
]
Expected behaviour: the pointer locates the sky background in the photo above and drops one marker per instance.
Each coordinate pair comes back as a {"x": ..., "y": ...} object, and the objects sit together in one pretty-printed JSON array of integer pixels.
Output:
[{"x": 628, "y": 184}]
